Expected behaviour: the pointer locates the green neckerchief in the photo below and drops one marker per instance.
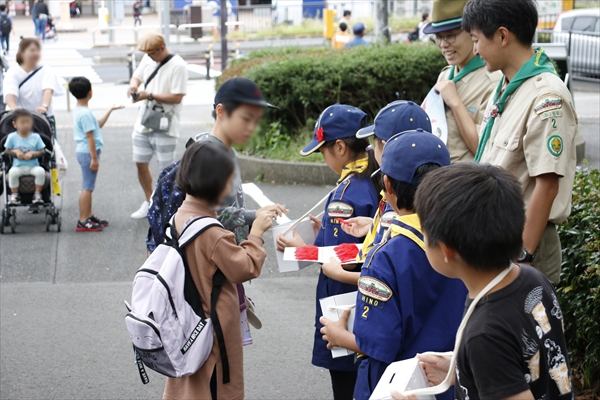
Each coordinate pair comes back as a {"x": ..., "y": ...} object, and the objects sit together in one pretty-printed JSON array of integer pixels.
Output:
[
  {"x": 539, "y": 63},
  {"x": 475, "y": 63}
]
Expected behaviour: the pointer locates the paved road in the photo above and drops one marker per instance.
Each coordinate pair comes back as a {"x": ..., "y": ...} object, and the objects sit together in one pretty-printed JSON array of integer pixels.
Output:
[{"x": 61, "y": 294}]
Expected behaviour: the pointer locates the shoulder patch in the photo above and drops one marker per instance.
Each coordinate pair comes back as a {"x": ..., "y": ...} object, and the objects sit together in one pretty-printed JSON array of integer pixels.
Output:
[
  {"x": 374, "y": 288},
  {"x": 555, "y": 145},
  {"x": 548, "y": 102},
  {"x": 337, "y": 209},
  {"x": 387, "y": 218}
]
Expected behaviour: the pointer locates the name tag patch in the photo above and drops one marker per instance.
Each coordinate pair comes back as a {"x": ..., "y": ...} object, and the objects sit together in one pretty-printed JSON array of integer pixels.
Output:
[
  {"x": 374, "y": 288},
  {"x": 371, "y": 301},
  {"x": 548, "y": 102},
  {"x": 551, "y": 114},
  {"x": 387, "y": 219},
  {"x": 337, "y": 209}
]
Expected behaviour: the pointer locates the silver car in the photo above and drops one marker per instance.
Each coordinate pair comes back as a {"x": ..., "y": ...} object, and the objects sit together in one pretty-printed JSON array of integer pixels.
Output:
[{"x": 580, "y": 31}]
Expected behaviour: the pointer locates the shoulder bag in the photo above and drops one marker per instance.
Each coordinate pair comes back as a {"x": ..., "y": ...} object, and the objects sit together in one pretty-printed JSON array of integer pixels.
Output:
[{"x": 155, "y": 117}]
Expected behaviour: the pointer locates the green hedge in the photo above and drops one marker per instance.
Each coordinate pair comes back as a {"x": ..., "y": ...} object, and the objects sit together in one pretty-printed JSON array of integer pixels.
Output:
[
  {"x": 304, "y": 82},
  {"x": 579, "y": 288}
]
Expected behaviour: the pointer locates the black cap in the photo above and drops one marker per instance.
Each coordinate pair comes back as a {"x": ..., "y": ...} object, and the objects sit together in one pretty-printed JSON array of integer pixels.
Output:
[{"x": 241, "y": 90}]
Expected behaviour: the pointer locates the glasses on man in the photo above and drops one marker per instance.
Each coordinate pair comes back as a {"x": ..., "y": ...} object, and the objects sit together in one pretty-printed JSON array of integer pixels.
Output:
[{"x": 450, "y": 38}]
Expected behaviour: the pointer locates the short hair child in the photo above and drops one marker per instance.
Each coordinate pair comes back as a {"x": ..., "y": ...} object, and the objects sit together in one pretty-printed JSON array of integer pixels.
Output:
[
  {"x": 88, "y": 139},
  {"x": 513, "y": 345},
  {"x": 404, "y": 306},
  {"x": 25, "y": 147}
]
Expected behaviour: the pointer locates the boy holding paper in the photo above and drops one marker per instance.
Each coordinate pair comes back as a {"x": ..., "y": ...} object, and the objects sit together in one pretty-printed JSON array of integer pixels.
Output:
[
  {"x": 513, "y": 345},
  {"x": 403, "y": 306}
]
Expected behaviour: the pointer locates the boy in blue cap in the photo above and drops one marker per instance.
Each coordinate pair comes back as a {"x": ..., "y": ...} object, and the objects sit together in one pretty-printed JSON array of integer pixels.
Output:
[
  {"x": 355, "y": 195},
  {"x": 404, "y": 306},
  {"x": 359, "y": 31}
]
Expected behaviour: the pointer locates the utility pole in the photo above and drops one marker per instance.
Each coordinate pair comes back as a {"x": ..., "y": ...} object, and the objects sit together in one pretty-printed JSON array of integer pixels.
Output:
[
  {"x": 382, "y": 30},
  {"x": 164, "y": 17},
  {"x": 223, "y": 35},
  {"x": 111, "y": 20}
]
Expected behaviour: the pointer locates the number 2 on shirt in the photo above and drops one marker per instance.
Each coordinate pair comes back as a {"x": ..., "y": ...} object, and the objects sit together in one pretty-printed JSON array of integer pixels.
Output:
[
  {"x": 365, "y": 312},
  {"x": 335, "y": 232}
]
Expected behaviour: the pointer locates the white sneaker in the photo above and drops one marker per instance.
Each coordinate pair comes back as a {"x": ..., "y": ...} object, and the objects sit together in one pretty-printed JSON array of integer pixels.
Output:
[{"x": 142, "y": 212}]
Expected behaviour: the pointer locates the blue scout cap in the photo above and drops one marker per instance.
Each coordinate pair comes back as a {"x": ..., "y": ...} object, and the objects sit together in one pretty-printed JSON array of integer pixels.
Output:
[
  {"x": 336, "y": 122},
  {"x": 359, "y": 27},
  {"x": 404, "y": 153},
  {"x": 398, "y": 116}
]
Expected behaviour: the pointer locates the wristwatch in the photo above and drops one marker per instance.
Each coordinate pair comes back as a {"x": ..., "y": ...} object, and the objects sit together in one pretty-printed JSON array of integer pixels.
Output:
[
  {"x": 150, "y": 97},
  {"x": 525, "y": 257}
]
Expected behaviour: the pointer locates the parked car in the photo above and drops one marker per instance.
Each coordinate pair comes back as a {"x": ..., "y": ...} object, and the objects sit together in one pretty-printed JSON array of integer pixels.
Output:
[{"x": 580, "y": 29}]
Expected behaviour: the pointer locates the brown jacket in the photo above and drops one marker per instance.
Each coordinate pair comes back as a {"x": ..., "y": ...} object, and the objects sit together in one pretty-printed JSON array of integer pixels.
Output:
[{"x": 216, "y": 248}]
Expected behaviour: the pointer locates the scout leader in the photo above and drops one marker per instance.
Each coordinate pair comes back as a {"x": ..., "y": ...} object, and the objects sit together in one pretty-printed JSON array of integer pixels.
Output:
[
  {"x": 530, "y": 125},
  {"x": 404, "y": 306},
  {"x": 355, "y": 196},
  {"x": 464, "y": 84}
]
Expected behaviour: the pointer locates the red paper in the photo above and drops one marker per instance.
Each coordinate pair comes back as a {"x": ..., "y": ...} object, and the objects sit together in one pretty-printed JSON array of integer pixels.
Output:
[
  {"x": 346, "y": 252},
  {"x": 307, "y": 253}
]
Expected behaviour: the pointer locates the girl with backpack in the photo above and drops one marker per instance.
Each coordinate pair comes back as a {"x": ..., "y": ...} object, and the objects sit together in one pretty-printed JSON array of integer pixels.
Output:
[{"x": 205, "y": 176}]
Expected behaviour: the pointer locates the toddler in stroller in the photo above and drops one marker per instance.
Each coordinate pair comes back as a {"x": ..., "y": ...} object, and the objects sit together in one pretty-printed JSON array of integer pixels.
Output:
[{"x": 26, "y": 158}]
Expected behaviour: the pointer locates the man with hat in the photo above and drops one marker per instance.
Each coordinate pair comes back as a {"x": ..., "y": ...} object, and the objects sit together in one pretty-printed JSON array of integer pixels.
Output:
[
  {"x": 530, "y": 124},
  {"x": 359, "y": 32},
  {"x": 464, "y": 84},
  {"x": 404, "y": 306},
  {"x": 164, "y": 78}
]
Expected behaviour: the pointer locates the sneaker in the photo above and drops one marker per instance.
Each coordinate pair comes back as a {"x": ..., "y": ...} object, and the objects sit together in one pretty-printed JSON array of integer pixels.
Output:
[
  {"x": 14, "y": 199},
  {"x": 102, "y": 222},
  {"x": 142, "y": 212},
  {"x": 88, "y": 226},
  {"x": 37, "y": 198}
]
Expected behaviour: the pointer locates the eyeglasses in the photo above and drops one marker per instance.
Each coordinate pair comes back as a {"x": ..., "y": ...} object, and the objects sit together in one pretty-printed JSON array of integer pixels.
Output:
[{"x": 451, "y": 38}]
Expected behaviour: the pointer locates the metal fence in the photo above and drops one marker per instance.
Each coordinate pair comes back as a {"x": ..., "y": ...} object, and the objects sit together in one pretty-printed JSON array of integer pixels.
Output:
[{"x": 583, "y": 50}]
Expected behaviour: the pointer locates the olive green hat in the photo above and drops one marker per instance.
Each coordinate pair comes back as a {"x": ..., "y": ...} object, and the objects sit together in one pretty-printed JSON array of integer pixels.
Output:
[{"x": 446, "y": 15}]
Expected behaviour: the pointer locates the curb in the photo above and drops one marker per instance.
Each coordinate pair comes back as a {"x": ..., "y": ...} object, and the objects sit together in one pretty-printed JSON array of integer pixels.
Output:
[{"x": 290, "y": 172}]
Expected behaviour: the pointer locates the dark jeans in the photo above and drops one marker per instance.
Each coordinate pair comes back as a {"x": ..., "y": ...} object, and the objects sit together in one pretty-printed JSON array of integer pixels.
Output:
[
  {"x": 4, "y": 41},
  {"x": 342, "y": 383}
]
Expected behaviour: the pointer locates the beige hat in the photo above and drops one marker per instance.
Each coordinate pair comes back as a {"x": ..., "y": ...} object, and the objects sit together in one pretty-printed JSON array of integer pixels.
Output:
[
  {"x": 446, "y": 15},
  {"x": 151, "y": 41}
]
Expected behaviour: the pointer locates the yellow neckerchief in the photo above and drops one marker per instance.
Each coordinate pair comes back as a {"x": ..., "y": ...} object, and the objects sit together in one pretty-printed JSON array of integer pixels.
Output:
[
  {"x": 370, "y": 238},
  {"x": 355, "y": 167},
  {"x": 406, "y": 225}
]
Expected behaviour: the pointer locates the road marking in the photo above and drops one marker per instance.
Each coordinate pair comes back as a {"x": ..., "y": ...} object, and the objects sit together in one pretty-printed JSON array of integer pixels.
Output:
[{"x": 259, "y": 197}]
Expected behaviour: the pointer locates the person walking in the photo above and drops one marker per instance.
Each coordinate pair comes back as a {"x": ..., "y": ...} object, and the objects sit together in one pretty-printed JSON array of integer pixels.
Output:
[
  {"x": 34, "y": 17},
  {"x": 6, "y": 24},
  {"x": 42, "y": 15},
  {"x": 359, "y": 33},
  {"x": 137, "y": 13},
  {"x": 341, "y": 38},
  {"x": 30, "y": 85},
  {"x": 164, "y": 78}
]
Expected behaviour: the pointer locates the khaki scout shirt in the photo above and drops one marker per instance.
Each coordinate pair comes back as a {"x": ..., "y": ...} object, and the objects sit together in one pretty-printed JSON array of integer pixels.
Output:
[
  {"x": 535, "y": 135},
  {"x": 474, "y": 90}
]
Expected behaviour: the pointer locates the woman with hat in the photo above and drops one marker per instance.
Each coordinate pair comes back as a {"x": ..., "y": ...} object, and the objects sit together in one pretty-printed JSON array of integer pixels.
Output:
[{"x": 464, "y": 84}]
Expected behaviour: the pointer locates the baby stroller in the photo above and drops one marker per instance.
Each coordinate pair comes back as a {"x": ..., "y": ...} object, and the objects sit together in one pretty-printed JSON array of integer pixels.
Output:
[
  {"x": 51, "y": 29},
  {"x": 8, "y": 215}
]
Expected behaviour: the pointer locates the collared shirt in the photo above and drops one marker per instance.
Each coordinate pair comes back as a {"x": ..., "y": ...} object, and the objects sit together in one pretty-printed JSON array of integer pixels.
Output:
[
  {"x": 358, "y": 41},
  {"x": 535, "y": 135},
  {"x": 381, "y": 221},
  {"x": 353, "y": 197},
  {"x": 404, "y": 306},
  {"x": 474, "y": 90}
]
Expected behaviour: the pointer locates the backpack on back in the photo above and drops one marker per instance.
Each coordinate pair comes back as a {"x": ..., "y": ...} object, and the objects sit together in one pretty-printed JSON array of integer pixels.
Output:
[
  {"x": 5, "y": 25},
  {"x": 166, "y": 321},
  {"x": 414, "y": 35}
]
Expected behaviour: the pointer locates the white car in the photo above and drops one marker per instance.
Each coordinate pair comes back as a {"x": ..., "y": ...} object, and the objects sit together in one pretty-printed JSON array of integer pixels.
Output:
[{"x": 584, "y": 40}]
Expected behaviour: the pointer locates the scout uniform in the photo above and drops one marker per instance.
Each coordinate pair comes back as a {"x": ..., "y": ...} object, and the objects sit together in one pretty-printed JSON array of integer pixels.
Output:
[
  {"x": 474, "y": 84},
  {"x": 396, "y": 117},
  {"x": 353, "y": 197},
  {"x": 530, "y": 130},
  {"x": 404, "y": 306}
]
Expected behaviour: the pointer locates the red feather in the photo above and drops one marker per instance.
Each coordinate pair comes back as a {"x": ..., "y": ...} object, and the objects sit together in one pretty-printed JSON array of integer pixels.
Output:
[
  {"x": 307, "y": 253},
  {"x": 346, "y": 252},
  {"x": 320, "y": 134}
]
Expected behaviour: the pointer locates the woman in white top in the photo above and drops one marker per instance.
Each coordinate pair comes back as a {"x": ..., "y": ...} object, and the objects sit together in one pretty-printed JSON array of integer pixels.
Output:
[{"x": 29, "y": 85}]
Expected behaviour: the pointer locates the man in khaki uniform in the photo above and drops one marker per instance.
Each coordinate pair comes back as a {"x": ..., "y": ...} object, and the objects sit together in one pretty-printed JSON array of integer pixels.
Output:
[
  {"x": 530, "y": 125},
  {"x": 464, "y": 84}
]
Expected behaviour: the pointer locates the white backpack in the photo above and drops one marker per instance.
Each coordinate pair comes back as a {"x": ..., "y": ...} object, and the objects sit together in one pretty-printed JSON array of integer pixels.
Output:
[{"x": 166, "y": 321}]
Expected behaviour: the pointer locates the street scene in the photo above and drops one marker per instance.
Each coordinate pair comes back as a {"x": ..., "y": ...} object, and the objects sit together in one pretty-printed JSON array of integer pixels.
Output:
[{"x": 62, "y": 291}]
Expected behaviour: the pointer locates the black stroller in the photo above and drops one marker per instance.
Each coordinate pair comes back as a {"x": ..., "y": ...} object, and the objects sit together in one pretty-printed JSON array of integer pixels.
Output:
[{"x": 27, "y": 183}]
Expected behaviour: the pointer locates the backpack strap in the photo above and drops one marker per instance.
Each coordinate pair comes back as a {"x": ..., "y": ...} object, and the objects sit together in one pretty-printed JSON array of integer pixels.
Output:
[
  {"x": 35, "y": 71},
  {"x": 194, "y": 228}
]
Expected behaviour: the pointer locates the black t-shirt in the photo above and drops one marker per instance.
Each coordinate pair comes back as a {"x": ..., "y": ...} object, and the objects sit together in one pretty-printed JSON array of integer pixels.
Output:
[{"x": 514, "y": 341}]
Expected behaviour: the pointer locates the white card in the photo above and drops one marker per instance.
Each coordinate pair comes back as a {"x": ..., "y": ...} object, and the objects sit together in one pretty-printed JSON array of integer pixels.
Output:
[
  {"x": 324, "y": 256},
  {"x": 401, "y": 376},
  {"x": 434, "y": 107},
  {"x": 333, "y": 308},
  {"x": 306, "y": 232}
]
